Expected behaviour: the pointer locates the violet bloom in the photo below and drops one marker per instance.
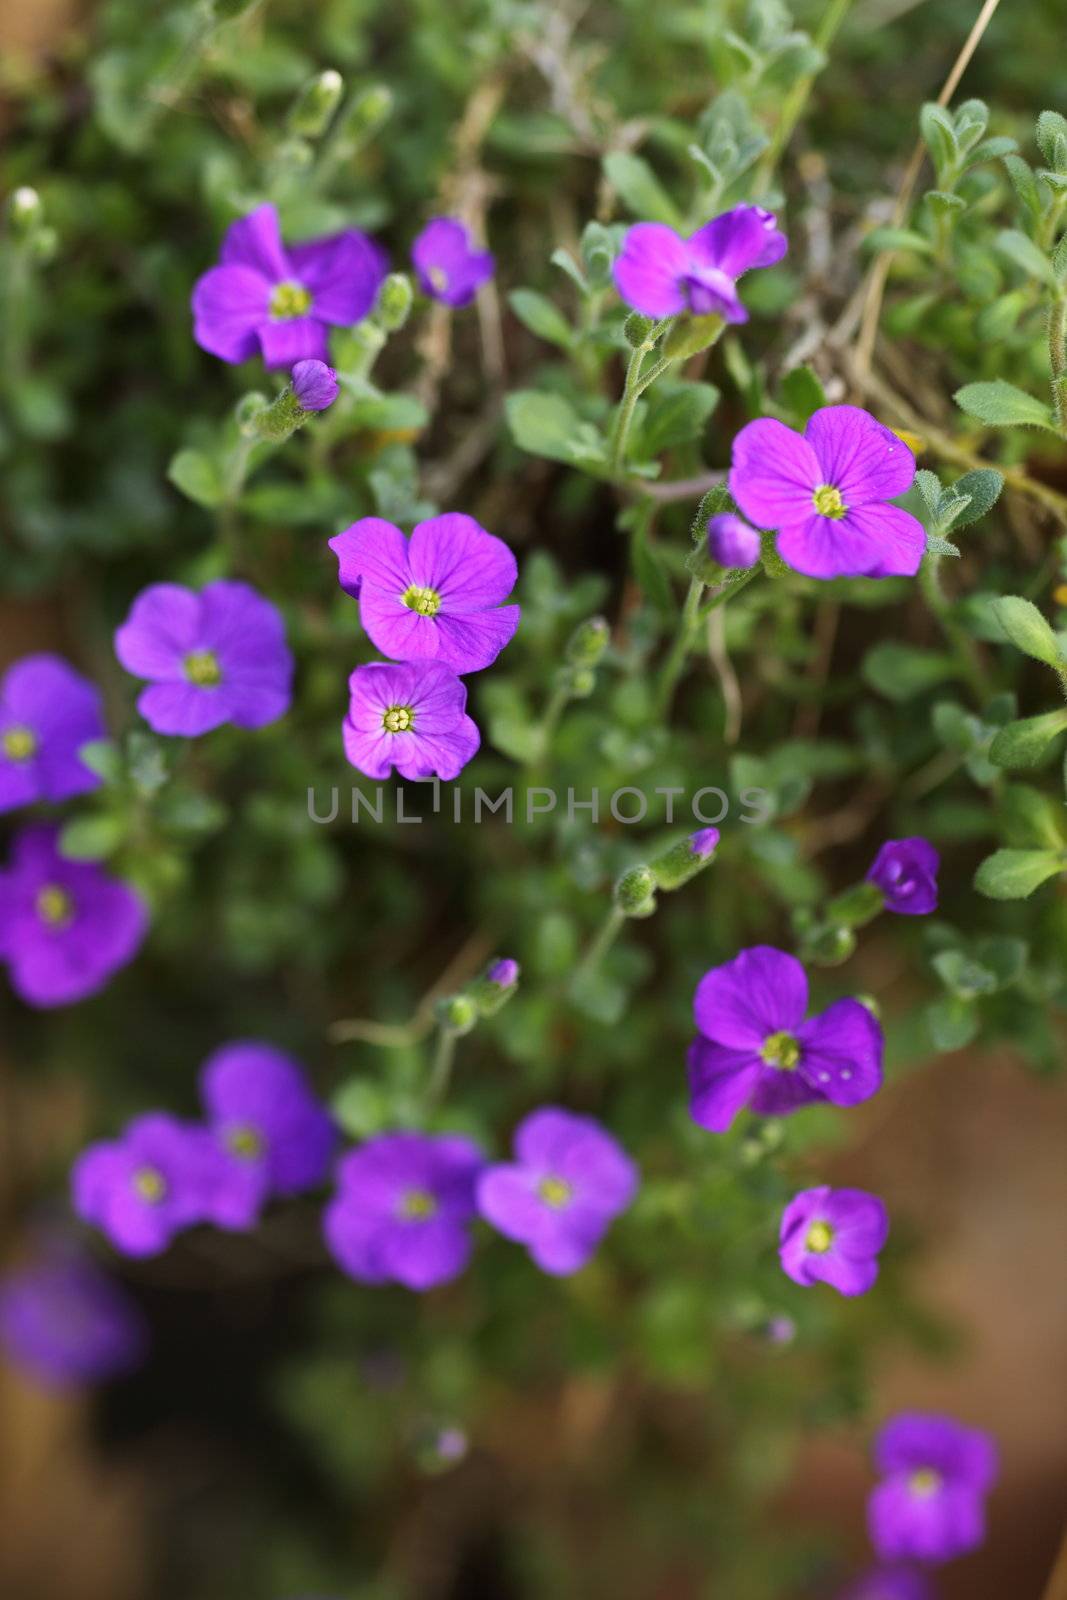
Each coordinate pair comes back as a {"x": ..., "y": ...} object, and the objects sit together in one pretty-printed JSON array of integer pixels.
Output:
[
  {"x": 403, "y": 1209},
  {"x": 213, "y": 657},
  {"x": 265, "y": 297},
  {"x": 704, "y": 842},
  {"x": 504, "y": 973},
  {"x": 314, "y": 385},
  {"x": 731, "y": 542},
  {"x": 826, "y": 492},
  {"x": 930, "y": 1505},
  {"x": 275, "y": 1136},
  {"x": 68, "y": 1323},
  {"x": 890, "y": 1583},
  {"x": 160, "y": 1177},
  {"x": 447, "y": 264},
  {"x": 833, "y": 1236},
  {"x": 436, "y": 596},
  {"x": 47, "y": 712},
  {"x": 569, "y": 1180},
  {"x": 661, "y": 274},
  {"x": 65, "y": 926},
  {"x": 906, "y": 872},
  {"x": 410, "y": 717},
  {"x": 755, "y": 1049}
]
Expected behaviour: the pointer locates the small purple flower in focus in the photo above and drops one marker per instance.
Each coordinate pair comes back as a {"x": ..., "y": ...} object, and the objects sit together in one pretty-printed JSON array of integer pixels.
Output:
[
  {"x": 906, "y": 872},
  {"x": 833, "y": 1236},
  {"x": 504, "y": 973},
  {"x": 47, "y": 712},
  {"x": 68, "y": 1323},
  {"x": 447, "y": 264},
  {"x": 403, "y": 1209},
  {"x": 213, "y": 657},
  {"x": 436, "y": 596},
  {"x": 411, "y": 717},
  {"x": 314, "y": 385},
  {"x": 570, "y": 1179},
  {"x": 265, "y": 297},
  {"x": 661, "y": 274},
  {"x": 160, "y": 1177},
  {"x": 930, "y": 1505},
  {"x": 826, "y": 493},
  {"x": 731, "y": 542},
  {"x": 275, "y": 1136},
  {"x": 755, "y": 1049},
  {"x": 704, "y": 842},
  {"x": 65, "y": 926},
  {"x": 890, "y": 1583}
]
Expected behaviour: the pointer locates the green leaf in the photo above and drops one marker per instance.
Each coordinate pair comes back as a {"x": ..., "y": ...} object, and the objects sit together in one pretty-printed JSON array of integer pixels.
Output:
[
  {"x": 1023, "y": 182},
  {"x": 566, "y": 263},
  {"x": 1021, "y": 249},
  {"x": 1002, "y": 405},
  {"x": 103, "y": 758},
  {"x": 690, "y": 335},
  {"x": 1026, "y": 743},
  {"x": 898, "y": 239},
  {"x": 1015, "y": 874},
  {"x": 939, "y": 136},
  {"x": 962, "y": 975},
  {"x": 1030, "y": 819},
  {"x": 651, "y": 578},
  {"x": 537, "y": 313},
  {"x": 944, "y": 204},
  {"x": 900, "y": 671},
  {"x": 197, "y": 476},
  {"x": 801, "y": 393},
  {"x": 1052, "y": 138},
  {"x": 1027, "y": 630},
  {"x": 953, "y": 1022},
  {"x": 91, "y": 838},
  {"x": 675, "y": 416},
  {"x": 640, "y": 189},
  {"x": 390, "y": 413},
  {"x": 982, "y": 488},
  {"x": 548, "y": 425}
]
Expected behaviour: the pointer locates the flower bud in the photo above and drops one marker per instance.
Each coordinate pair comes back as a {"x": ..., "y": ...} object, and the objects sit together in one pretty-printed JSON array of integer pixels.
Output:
[
  {"x": 685, "y": 859},
  {"x": 247, "y": 410},
  {"x": 25, "y": 212},
  {"x": 314, "y": 385},
  {"x": 582, "y": 683},
  {"x": 316, "y": 104},
  {"x": 636, "y": 329},
  {"x": 731, "y": 542},
  {"x": 690, "y": 335},
  {"x": 635, "y": 892},
  {"x": 394, "y": 302},
  {"x": 367, "y": 111},
  {"x": 831, "y": 945},
  {"x": 857, "y": 906},
  {"x": 458, "y": 1013},
  {"x": 588, "y": 642},
  {"x": 497, "y": 985}
]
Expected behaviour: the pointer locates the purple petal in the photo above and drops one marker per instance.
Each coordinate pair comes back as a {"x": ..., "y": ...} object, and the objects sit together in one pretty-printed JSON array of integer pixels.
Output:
[
  {"x": 255, "y": 241},
  {"x": 441, "y": 755},
  {"x": 937, "y": 1527},
  {"x": 183, "y": 710},
  {"x": 285, "y": 341},
  {"x": 394, "y": 628},
  {"x": 760, "y": 992},
  {"x": 473, "y": 642},
  {"x": 355, "y": 1240},
  {"x": 721, "y": 1082},
  {"x": 650, "y": 272},
  {"x": 859, "y": 456},
  {"x": 446, "y": 264},
  {"x": 906, "y": 872},
  {"x": 314, "y": 385},
  {"x": 565, "y": 1249},
  {"x": 375, "y": 550},
  {"x": 841, "y": 1053},
  {"x": 160, "y": 631},
  {"x": 230, "y": 306},
  {"x": 423, "y": 1255},
  {"x": 873, "y": 541},
  {"x": 917, "y": 1439},
  {"x": 734, "y": 241},
  {"x": 778, "y": 1093},
  {"x": 774, "y": 474},
  {"x": 731, "y": 542},
  {"x": 343, "y": 272},
  {"x": 470, "y": 568}
]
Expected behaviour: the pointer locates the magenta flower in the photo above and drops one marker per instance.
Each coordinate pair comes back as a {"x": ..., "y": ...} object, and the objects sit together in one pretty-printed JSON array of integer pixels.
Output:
[
  {"x": 314, "y": 385},
  {"x": 436, "y": 596},
  {"x": 47, "y": 712},
  {"x": 67, "y": 1323},
  {"x": 411, "y": 717},
  {"x": 275, "y": 1136},
  {"x": 403, "y": 1209},
  {"x": 65, "y": 926},
  {"x": 447, "y": 264},
  {"x": 890, "y": 1583},
  {"x": 660, "y": 274},
  {"x": 906, "y": 872},
  {"x": 265, "y": 297},
  {"x": 160, "y": 1177},
  {"x": 213, "y": 657},
  {"x": 930, "y": 1505},
  {"x": 755, "y": 1049},
  {"x": 504, "y": 973},
  {"x": 833, "y": 1236},
  {"x": 826, "y": 492},
  {"x": 570, "y": 1179},
  {"x": 731, "y": 542}
]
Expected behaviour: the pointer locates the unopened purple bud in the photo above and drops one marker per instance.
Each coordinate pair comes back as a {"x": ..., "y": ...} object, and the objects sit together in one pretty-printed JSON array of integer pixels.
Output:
[
  {"x": 314, "y": 385},
  {"x": 703, "y": 842},
  {"x": 504, "y": 972},
  {"x": 731, "y": 542}
]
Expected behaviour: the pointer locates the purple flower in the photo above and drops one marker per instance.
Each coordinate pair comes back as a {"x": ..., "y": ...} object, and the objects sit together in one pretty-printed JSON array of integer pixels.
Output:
[
  {"x": 314, "y": 385},
  {"x": 47, "y": 712},
  {"x": 755, "y": 1049},
  {"x": 731, "y": 542},
  {"x": 890, "y": 1583},
  {"x": 906, "y": 872},
  {"x": 446, "y": 263},
  {"x": 833, "y": 1236},
  {"x": 660, "y": 274},
  {"x": 264, "y": 297},
  {"x": 403, "y": 1209},
  {"x": 826, "y": 493},
  {"x": 213, "y": 657},
  {"x": 930, "y": 1504},
  {"x": 436, "y": 596},
  {"x": 65, "y": 926},
  {"x": 559, "y": 1196},
  {"x": 704, "y": 842},
  {"x": 68, "y": 1323},
  {"x": 504, "y": 973},
  {"x": 411, "y": 717},
  {"x": 274, "y": 1134},
  {"x": 160, "y": 1177}
]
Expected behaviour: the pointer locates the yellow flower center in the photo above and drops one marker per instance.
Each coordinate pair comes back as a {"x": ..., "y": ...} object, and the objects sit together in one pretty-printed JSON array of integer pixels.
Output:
[
  {"x": 202, "y": 668},
  {"x": 54, "y": 906},
  {"x": 149, "y": 1185},
  {"x": 781, "y": 1050},
  {"x": 247, "y": 1143},
  {"x": 820, "y": 1238},
  {"x": 427, "y": 602},
  {"x": 289, "y": 300},
  {"x": 828, "y": 502},
  {"x": 925, "y": 1482},
  {"x": 418, "y": 1205},
  {"x": 555, "y": 1192},
  {"x": 439, "y": 278},
  {"x": 398, "y": 719},
  {"x": 19, "y": 744}
]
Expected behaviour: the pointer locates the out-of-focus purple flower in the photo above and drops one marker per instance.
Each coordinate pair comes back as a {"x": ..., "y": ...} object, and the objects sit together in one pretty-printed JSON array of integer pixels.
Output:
[
  {"x": 451, "y": 1445},
  {"x": 704, "y": 842},
  {"x": 274, "y": 1134},
  {"x": 833, "y": 1236},
  {"x": 781, "y": 1330},
  {"x": 411, "y": 717},
  {"x": 403, "y": 1209},
  {"x": 731, "y": 542},
  {"x": 68, "y": 1323},
  {"x": 447, "y": 264},
  {"x": 65, "y": 926},
  {"x": 754, "y": 1047},
  {"x": 936, "y": 1473},
  {"x": 47, "y": 712},
  {"x": 213, "y": 657},
  {"x": 890, "y": 1583},
  {"x": 163, "y": 1175},
  {"x": 826, "y": 492},
  {"x": 436, "y": 596},
  {"x": 314, "y": 385},
  {"x": 504, "y": 973},
  {"x": 660, "y": 274},
  {"x": 569, "y": 1180},
  {"x": 282, "y": 302},
  {"x": 906, "y": 872}
]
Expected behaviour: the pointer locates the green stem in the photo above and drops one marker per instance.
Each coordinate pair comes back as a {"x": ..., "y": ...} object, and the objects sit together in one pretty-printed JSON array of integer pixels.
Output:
[
  {"x": 633, "y": 388},
  {"x": 1057, "y": 351},
  {"x": 797, "y": 98},
  {"x": 693, "y": 614},
  {"x": 441, "y": 1070},
  {"x": 608, "y": 932},
  {"x": 962, "y": 644}
]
